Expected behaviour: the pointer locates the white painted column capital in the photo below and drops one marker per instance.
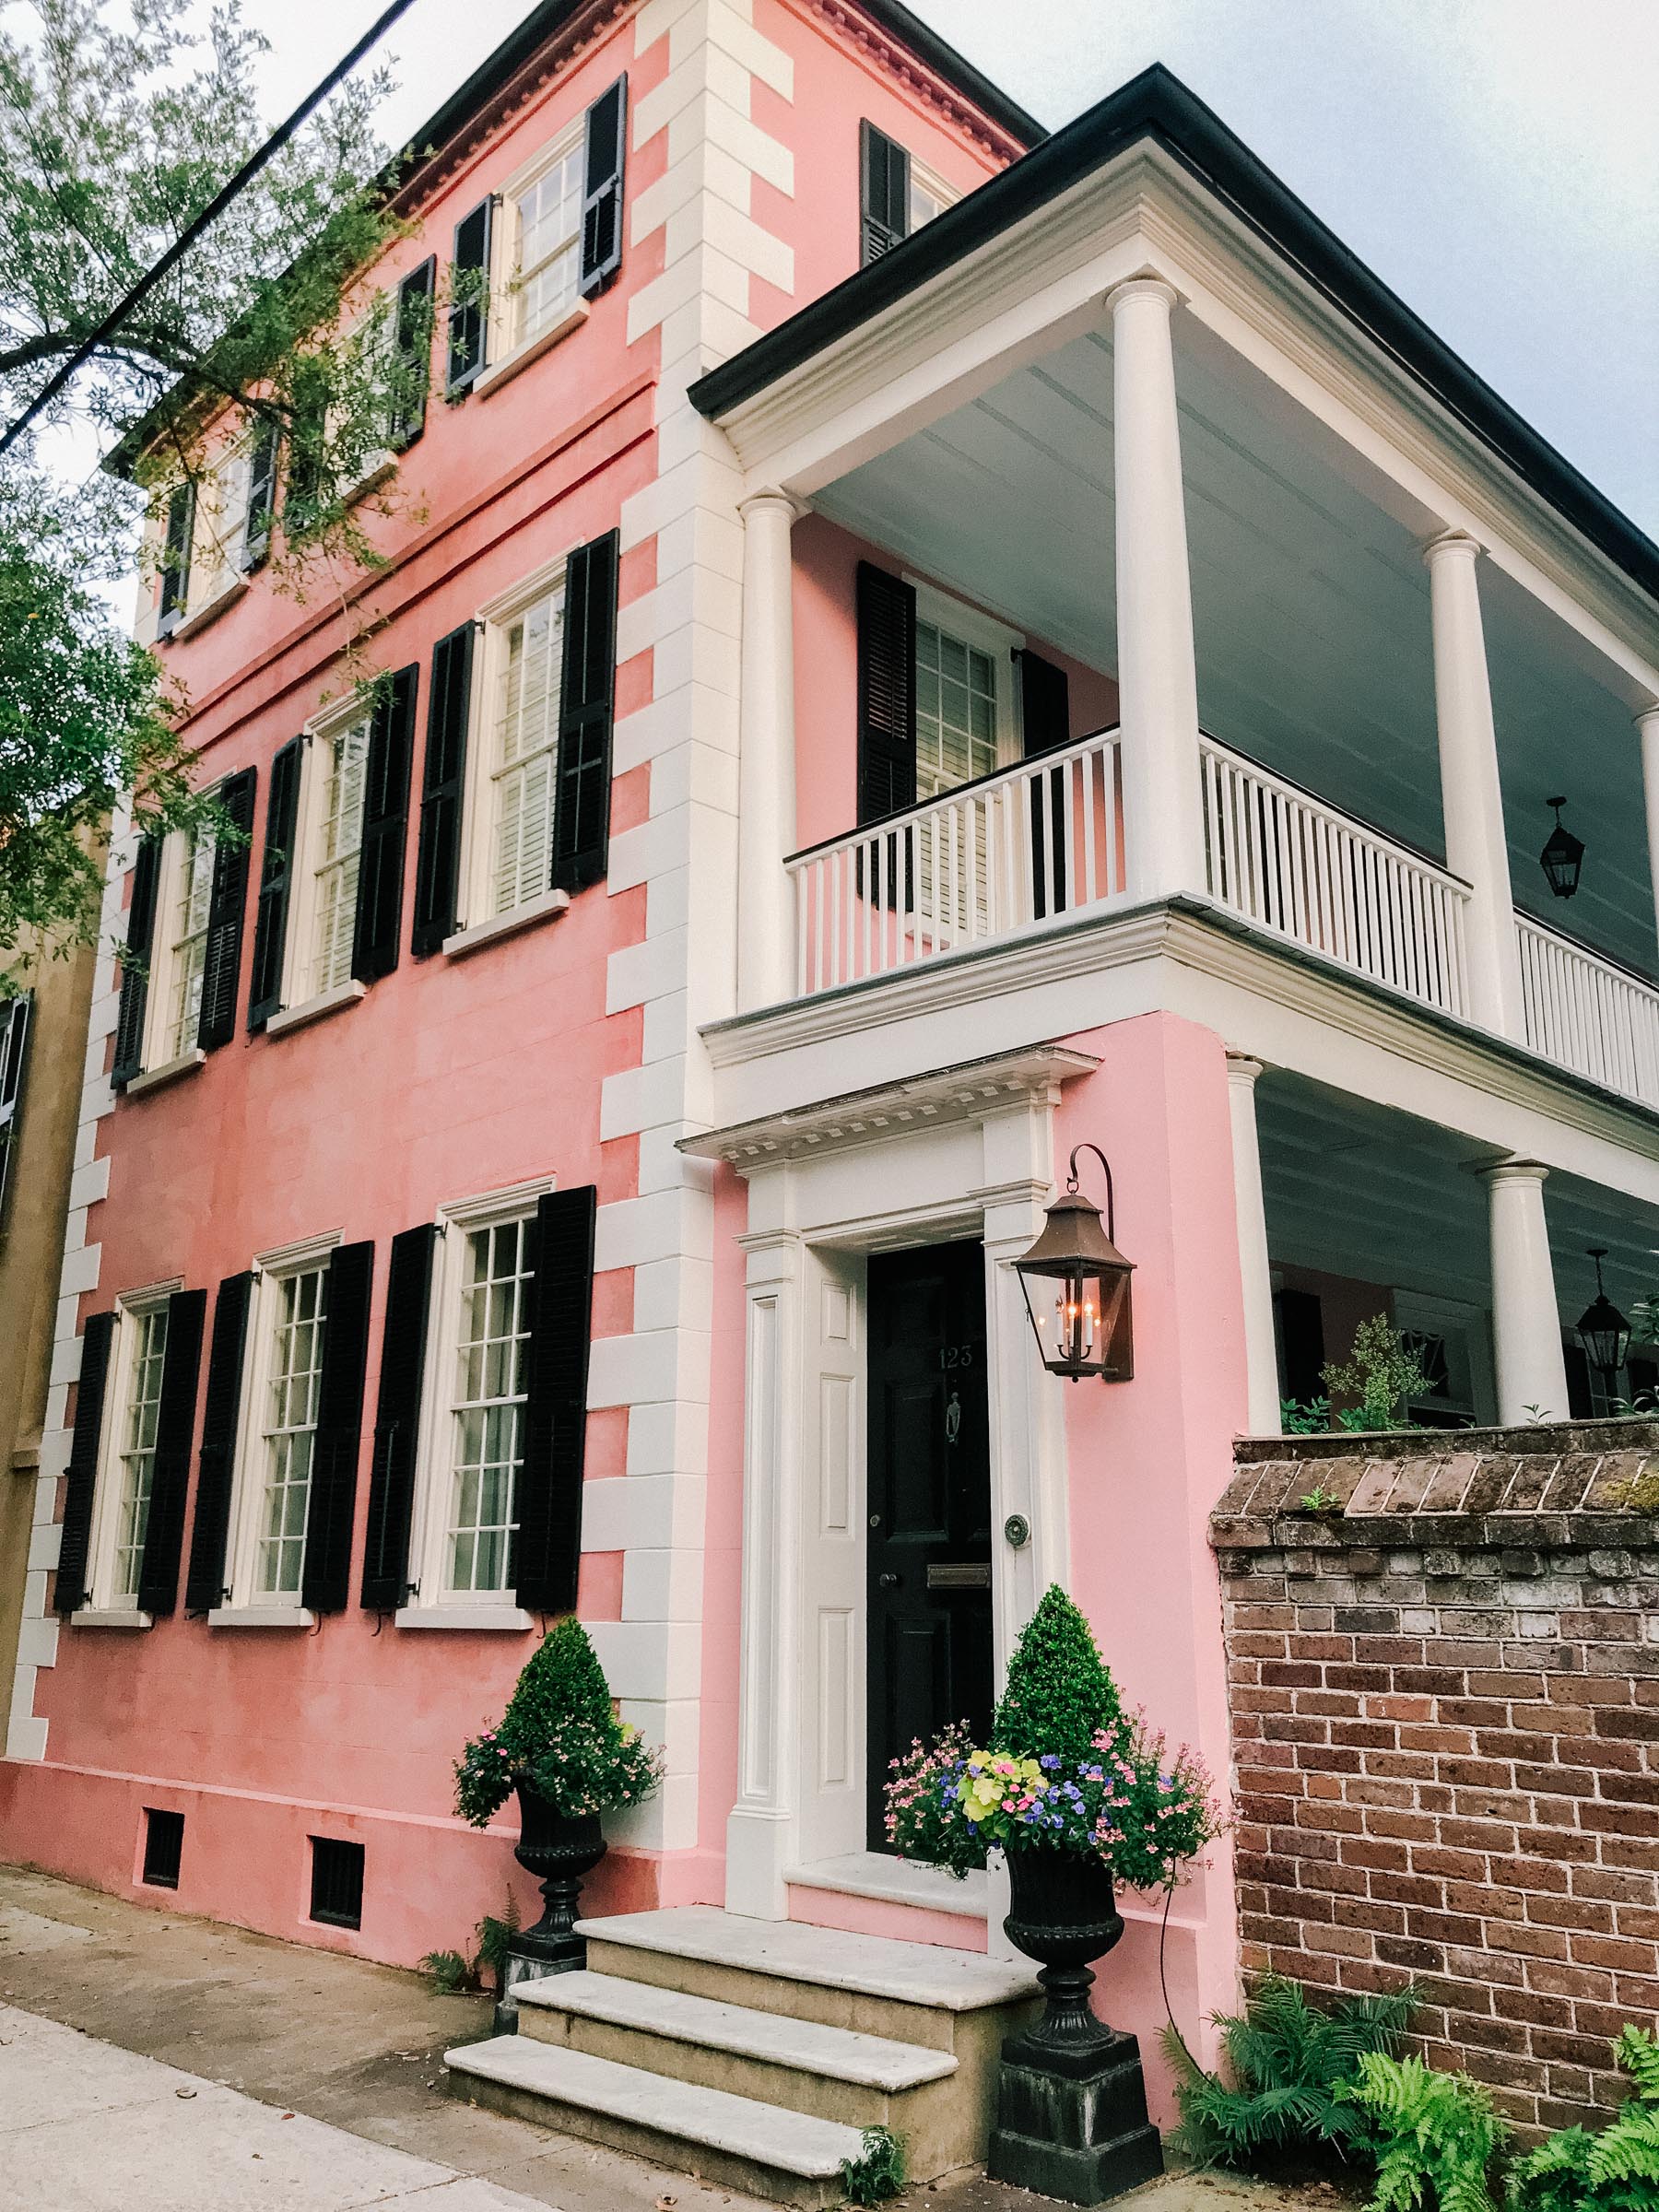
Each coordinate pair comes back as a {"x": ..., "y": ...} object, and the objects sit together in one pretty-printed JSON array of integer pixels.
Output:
[
  {"x": 1647, "y": 731},
  {"x": 1156, "y": 671},
  {"x": 1261, "y": 1352},
  {"x": 766, "y": 765},
  {"x": 1471, "y": 789},
  {"x": 1526, "y": 1323}
]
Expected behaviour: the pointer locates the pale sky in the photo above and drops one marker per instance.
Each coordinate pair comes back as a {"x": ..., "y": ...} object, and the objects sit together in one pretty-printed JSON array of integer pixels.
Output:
[{"x": 1495, "y": 161}]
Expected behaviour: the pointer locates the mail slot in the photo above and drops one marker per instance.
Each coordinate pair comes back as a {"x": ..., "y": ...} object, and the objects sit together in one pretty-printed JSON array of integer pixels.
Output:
[{"x": 960, "y": 1574}]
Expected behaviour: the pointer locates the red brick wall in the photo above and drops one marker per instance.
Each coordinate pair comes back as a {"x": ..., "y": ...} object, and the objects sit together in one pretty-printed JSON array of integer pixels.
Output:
[{"x": 1445, "y": 1706}]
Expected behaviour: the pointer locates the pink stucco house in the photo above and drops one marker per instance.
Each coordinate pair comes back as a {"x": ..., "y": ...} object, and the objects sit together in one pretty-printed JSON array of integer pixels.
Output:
[{"x": 925, "y": 645}]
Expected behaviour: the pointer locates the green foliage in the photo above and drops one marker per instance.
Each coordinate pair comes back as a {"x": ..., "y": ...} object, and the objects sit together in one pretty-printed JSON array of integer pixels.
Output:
[
  {"x": 1290, "y": 2061},
  {"x": 450, "y": 1971},
  {"x": 1319, "y": 1500},
  {"x": 1304, "y": 1418},
  {"x": 1617, "y": 2170},
  {"x": 1380, "y": 1371},
  {"x": 1059, "y": 1693},
  {"x": 495, "y": 1934},
  {"x": 1435, "y": 2137},
  {"x": 878, "y": 2171},
  {"x": 561, "y": 1736}
]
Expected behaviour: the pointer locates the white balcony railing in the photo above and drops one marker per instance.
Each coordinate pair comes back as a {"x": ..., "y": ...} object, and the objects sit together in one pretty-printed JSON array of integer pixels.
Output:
[
  {"x": 1039, "y": 842},
  {"x": 1294, "y": 865},
  {"x": 1585, "y": 1014}
]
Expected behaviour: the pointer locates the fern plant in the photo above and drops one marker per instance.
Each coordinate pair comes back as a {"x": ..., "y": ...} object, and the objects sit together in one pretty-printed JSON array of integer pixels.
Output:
[
  {"x": 1435, "y": 2137},
  {"x": 880, "y": 2171},
  {"x": 1617, "y": 2170},
  {"x": 1290, "y": 2062}
]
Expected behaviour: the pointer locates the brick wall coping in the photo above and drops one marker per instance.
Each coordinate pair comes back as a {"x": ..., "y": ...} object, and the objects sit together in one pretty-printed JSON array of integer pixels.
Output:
[{"x": 1567, "y": 1484}]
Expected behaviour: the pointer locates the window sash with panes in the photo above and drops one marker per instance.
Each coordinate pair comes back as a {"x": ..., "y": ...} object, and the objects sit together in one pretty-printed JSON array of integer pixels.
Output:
[
  {"x": 486, "y": 1405},
  {"x": 957, "y": 709},
  {"x": 135, "y": 1445},
  {"x": 546, "y": 278},
  {"x": 299, "y": 1316},
  {"x": 929, "y": 195},
  {"x": 341, "y": 761},
  {"x": 523, "y": 780},
  {"x": 187, "y": 944}
]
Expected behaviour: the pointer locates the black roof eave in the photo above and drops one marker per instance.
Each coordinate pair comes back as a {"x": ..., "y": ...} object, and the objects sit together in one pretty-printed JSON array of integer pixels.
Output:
[{"x": 1157, "y": 106}]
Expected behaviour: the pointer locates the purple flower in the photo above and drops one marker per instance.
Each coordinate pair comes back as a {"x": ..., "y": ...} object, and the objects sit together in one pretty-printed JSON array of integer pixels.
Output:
[{"x": 1048, "y": 1762}]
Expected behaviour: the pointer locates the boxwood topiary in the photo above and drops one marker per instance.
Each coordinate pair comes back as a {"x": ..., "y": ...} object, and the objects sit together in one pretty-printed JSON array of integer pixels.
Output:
[{"x": 1058, "y": 1690}]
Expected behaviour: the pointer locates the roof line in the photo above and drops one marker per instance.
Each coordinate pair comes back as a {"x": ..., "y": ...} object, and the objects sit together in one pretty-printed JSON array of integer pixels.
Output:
[{"x": 1155, "y": 105}]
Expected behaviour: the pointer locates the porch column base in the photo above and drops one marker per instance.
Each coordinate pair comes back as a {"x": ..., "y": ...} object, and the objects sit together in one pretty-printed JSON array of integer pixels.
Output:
[{"x": 1075, "y": 2128}]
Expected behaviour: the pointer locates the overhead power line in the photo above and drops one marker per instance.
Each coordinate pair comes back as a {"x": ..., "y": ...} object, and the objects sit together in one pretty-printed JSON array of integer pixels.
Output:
[{"x": 208, "y": 215}]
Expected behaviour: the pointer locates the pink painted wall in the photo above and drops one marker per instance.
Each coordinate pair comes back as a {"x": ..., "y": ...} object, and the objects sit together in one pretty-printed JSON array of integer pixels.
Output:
[{"x": 826, "y": 566}]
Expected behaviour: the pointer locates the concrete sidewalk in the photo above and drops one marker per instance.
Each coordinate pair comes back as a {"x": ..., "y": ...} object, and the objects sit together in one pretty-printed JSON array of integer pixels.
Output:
[{"x": 312, "y": 2080}]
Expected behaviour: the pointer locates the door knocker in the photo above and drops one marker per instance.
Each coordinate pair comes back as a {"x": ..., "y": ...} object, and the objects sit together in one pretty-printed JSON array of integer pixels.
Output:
[{"x": 953, "y": 1418}]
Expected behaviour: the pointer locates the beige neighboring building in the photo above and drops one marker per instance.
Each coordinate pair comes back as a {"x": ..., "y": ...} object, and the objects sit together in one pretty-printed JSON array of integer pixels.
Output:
[{"x": 42, "y": 1066}]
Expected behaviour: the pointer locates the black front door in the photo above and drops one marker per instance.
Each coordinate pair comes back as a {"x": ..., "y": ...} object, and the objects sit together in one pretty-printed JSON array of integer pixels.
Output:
[{"x": 930, "y": 1656}]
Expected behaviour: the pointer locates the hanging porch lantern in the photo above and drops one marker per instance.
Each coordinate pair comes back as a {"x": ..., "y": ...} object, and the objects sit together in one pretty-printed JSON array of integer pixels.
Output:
[
  {"x": 1563, "y": 856},
  {"x": 1077, "y": 1286},
  {"x": 1602, "y": 1330}
]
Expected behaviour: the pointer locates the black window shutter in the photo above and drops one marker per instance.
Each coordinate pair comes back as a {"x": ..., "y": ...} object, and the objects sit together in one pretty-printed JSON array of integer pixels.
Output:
[
  {"x": 1045, "y": 716},
  {"x": 586, "y": 710},
  {"x": 883, "y": 193},
  {"x": 548, "y": 1549},
  {"x": 325, "y": 1579},
  {"x": 275, "y": 874},
  {"x": 261, "y": 494},
  {"x": 175, "y": 1429},
  {"x": 205, "y": 1582},
  {"x": 79, "y": 1492},
  {"x": 887, "y": 693},
  {"x": 175, "y": 556},
  {"x": 385, "y": 826},
  {"x": 442, "y": 792},
  {"x": 602, "y": 199},
  {"x": 397, "y": 1420},
  {"x": 134, "y": 969},
  {"x": 469, "y": 310},
  {"x": 221, "y": 960},
  {"x": 15, "y": 1019},
  {"x": 413, "y": 340}
]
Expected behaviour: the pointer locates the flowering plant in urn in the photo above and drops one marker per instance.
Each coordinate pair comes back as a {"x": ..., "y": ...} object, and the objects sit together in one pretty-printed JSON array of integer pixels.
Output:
[{"x": 559, "y": 1736}]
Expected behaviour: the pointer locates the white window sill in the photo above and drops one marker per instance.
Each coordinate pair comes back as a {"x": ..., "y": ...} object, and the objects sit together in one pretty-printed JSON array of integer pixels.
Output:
[
  {"x": 507, "y": 368},
  {"x": 542, "y": 908},
  {"x": 169, "y": 1072},
  {"x": 109, "y": 1617},
  {"x": 261, "y": 1616},
  {"x": 314, "y": 1009},
  {"x": 221, "y": 603},
  {"x": 372, "y": 477},
  {"x": 492, "y": 1617}
]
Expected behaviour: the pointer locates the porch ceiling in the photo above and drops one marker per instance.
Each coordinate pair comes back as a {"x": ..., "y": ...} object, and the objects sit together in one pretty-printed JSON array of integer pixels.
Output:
[
  {"x": 1355, "y": 1189},
  {"x": 1311, "y": 604}
]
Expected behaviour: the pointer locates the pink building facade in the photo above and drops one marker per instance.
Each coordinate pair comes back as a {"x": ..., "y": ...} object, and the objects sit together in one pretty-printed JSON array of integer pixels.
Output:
[{"x": 573, "y": 1158}]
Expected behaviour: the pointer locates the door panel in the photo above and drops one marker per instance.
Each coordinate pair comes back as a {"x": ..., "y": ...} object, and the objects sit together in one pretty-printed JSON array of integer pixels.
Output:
[
  {"x": 832, "y": 1712},
  {"x": 929, "y": 1538}
]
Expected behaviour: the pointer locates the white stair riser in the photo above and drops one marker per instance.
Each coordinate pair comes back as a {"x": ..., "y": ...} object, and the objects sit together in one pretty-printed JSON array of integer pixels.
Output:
[{"x": 724, "y": 2169}]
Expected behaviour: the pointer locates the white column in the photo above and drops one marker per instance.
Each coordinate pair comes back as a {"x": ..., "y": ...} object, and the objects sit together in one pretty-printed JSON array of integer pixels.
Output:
[
  {"x": 766, "y": 785},
  {"x": 1526, "y": 1323},
  {"x": 1158, "y": 682},
  {"x": 1647, "y": 724},
  {"x": 1261, "y": 1356},
  {"x": 1471, "y": 794}
]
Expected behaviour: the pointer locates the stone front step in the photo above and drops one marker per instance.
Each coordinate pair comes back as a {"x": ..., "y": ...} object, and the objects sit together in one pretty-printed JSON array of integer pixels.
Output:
[
  {"x": 801, "y": 2065},
  {"x": 789, "y": 2157}
]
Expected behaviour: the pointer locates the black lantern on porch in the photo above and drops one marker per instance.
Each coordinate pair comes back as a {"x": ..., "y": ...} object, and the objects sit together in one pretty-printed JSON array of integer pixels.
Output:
[
  {"x": 1077, "y": 1286},
  {"x": 1602, "y": 1330},
  {"x": 1563, "y": 854}
]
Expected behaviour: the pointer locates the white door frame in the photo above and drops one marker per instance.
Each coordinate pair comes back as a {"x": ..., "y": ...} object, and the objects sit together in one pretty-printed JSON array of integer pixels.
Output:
[{"x": 985, "y": 1170}]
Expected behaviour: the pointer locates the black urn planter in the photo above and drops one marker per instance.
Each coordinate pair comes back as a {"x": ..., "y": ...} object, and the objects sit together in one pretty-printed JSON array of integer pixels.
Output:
[
  {"x": 559, "y": 1849},
  {"x": 1071, "y": 2115}
]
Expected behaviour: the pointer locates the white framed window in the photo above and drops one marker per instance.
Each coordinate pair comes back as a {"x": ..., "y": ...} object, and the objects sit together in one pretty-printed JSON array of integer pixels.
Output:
[
  {"x": 282, "y": 1373},
  {"x": 328, "y": 848},
  {"x": 127, "y": 1458},
  {"x": 967, "y": 701},
  {"x": 472, "y": 1442},
  {"x": 513, "y": 771},
  {"x": 537, "y": 249},
  {"x": 185, "y": 949},
  {"x": 929, "y": 195}
]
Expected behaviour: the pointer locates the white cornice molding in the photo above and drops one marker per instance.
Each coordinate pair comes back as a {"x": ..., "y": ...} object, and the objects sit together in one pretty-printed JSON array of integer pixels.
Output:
[{"x": 961, "y": 1094}]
